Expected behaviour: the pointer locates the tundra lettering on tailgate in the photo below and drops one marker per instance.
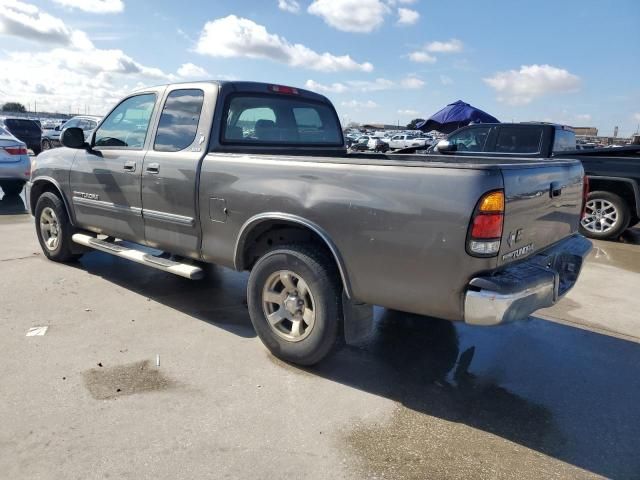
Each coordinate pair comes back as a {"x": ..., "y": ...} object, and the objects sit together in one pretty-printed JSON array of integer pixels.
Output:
[{"x": 522, "y": 251}]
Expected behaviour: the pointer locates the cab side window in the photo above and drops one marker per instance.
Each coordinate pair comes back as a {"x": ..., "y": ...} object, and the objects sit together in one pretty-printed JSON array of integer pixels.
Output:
[
  {"x": 470, "y": 140},
  {"x": 179, "y": 120},
  {"x": 127, "y": 125}
]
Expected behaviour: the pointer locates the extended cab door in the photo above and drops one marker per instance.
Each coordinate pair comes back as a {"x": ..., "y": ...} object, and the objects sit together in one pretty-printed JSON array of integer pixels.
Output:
[
  {"x": 171, "y": 168},
  {"x": 105, "y": 180}
]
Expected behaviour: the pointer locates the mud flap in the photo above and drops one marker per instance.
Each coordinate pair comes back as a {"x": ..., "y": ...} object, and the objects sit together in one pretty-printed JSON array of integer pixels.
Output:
[{"x": 358, "y": 320}]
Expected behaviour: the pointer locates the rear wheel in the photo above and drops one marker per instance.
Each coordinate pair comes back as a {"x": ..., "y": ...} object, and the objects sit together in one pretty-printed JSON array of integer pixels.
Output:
[
  {"x": 606, "y": 216},
  {"x": 294, "y": 299},
  {"x": 46, "y": 144},
  {"x": 12, "y": 187},
  {"x": 54, "y": 228}
]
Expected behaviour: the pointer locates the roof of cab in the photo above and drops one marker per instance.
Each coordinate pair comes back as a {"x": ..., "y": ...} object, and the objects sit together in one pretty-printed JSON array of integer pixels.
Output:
[{"x": 247, "y": 87}]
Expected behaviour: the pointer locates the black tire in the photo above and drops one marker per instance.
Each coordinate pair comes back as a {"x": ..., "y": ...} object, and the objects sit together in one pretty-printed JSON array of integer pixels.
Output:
[
  {"x": 623, "y": 216},
  {"x": 63, "y": 250},
  {"x": 46, "y": 144},
  {"x": 319, "y": 273},
  {"x": 12, "y": 187}
]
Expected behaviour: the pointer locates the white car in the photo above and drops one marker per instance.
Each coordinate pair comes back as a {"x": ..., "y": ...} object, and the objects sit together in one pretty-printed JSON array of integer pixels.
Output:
[
  {"x": 15, "y": 166},
  {"x": 405, "y": 141}
]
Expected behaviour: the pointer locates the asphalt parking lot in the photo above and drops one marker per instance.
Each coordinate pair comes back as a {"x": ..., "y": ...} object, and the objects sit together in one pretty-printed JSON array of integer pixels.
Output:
[{"x": 546, "y": 398}]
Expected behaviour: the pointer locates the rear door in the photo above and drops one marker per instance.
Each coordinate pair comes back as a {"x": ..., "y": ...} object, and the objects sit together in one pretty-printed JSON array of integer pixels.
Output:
[
  {"x": 171, "y": 168},
  {"x": 543, "y": 206},
  {"x": 105, "y": 180}
]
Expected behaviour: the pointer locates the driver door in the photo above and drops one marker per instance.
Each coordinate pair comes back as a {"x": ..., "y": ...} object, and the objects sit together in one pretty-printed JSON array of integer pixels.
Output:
[{"x": 105, "y": 180}]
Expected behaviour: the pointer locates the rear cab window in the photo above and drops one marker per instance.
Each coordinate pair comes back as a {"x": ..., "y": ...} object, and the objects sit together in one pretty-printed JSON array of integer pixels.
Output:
[
  {"x": 278, "y": 120},
  {"x": 470, "y": 139},
  {"x": 519, "y": 139},
  {"x": 564, "y": 140}
]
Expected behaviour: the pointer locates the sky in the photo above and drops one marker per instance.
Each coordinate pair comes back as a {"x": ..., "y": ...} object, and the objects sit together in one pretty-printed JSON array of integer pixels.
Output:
[{"x": 575, "y": 62}]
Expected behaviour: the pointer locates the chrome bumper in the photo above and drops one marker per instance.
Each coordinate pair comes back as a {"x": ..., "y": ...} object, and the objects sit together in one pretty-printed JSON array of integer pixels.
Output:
[{"x": 518, "y": 290}]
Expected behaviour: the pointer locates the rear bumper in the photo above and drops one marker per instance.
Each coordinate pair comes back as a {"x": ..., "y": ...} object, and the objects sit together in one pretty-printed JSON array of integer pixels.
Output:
[
  {"x": 516, "y": 291},
  {"x": 19, "y": 170}
]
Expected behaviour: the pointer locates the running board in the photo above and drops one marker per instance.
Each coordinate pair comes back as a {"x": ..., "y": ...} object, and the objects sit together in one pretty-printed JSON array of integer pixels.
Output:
[{"x": 182, "y": 269}]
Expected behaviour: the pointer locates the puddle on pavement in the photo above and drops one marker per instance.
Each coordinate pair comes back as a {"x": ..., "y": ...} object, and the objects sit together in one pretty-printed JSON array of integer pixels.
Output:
[
  {"x": 414, "y": 446},
  {"x": 111, "y": 382}
]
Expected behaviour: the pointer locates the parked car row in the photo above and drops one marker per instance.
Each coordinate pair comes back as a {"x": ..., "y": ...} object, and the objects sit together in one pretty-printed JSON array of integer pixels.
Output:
[{"x": 18, "y": 135}]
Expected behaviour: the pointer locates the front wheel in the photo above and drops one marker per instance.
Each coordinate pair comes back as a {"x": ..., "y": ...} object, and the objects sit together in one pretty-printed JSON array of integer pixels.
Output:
[
  {"x": 54, "y": 228},
  {"x": 46, "y": 145},
  {"x": 606, "y": 216},
  {"x": 294, "y": 299}
]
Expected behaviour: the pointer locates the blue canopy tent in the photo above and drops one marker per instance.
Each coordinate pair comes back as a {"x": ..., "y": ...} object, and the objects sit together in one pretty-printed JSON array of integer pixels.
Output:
[{"x": 455, "y": 115}]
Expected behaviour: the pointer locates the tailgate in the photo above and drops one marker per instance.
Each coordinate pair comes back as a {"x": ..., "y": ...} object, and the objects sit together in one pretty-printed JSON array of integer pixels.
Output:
[{"x": 543, "y": 205}]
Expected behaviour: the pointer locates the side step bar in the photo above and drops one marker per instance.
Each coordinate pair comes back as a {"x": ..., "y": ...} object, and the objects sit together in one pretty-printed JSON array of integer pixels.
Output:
[{"x": 182, "y": 269}]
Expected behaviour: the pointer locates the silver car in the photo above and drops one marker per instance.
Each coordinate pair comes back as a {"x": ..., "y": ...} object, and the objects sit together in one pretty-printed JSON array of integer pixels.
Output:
[{"x": 15, "y": 166}]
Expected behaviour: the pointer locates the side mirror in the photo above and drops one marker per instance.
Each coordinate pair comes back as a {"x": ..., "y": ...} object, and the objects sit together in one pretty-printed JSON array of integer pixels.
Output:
[
  {"x": 445, "y": 146},
  {"x": 73, "y": 137}
]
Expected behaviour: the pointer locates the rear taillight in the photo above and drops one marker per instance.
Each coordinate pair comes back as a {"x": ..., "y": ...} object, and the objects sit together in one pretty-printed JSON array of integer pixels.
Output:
[
  {"x": 485, "y": 228},
  {"x": 16, "y": 150},
  {"x": 585, "y": 195}
]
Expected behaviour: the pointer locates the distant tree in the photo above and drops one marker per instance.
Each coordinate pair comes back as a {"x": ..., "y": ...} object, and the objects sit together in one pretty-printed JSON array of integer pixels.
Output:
[
  {"x": 412, "y": 124},
  {"x": 13, "y": 107}
]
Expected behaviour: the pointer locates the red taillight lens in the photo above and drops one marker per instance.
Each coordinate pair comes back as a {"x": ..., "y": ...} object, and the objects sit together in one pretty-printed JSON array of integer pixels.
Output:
[
  {"x": 485, "y": 230},
  {"x": 16, "y": 150},
  {"x": 487, "y": 226},
  {"x": 585, "y": 194}
]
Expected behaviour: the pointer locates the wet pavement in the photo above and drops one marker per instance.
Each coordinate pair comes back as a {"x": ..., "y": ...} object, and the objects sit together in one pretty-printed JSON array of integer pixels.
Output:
[{"x": 422, "y": 398}]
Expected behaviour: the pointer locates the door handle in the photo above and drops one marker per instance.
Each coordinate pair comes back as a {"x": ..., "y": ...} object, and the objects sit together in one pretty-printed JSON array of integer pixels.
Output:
[
  {"x": 153, "y": 168},
  {"x": 129, "y": 166}
]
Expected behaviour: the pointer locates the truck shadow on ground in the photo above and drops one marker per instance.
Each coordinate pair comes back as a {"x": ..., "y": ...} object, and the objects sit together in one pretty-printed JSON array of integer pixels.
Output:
[
  {"x": 219, "y": 299},
  {"x": 567, "y": 393}
]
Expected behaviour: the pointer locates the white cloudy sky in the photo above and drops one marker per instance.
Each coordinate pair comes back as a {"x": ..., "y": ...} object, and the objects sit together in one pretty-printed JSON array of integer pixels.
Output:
[{"x": 378, "y": 60}]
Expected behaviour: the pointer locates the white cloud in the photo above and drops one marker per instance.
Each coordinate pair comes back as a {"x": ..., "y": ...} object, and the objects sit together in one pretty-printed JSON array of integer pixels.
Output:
[
  {"x": 406, "y": 16},
  {"x": 240, "y": 37},
  {"x": 189, "y": 70},
  {"x": 319, "y": 87},
  {"x": 452, "y": 46},
  {"x": 94, "y": 6},
  {"x": 636, "y": 116},
  {"x": 289, "y": 6},
  {"x": 357, "y": 105},
  {"x": 445, "y": 80},
  {"x": 408, "y": 113},
  {"x": 360, "y": 16},
  {"x": 23, "y": 20},
  {"x": 520, "y": 87},
  {"x": 365, "y": 86},
  {"x": 412, "y": 82},
  {"x": 422, "y": 57},
  {"x": 68, "y": 72}
]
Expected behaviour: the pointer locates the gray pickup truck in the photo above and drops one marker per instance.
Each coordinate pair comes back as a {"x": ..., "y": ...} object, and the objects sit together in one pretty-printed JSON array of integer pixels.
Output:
[{"x": 256, "y": 177}]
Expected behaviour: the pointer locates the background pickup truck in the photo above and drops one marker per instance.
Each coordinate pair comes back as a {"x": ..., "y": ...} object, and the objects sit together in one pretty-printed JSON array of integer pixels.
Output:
[
  {"x": 256, "y": 177},
  {"x": 613, "y": 204}
]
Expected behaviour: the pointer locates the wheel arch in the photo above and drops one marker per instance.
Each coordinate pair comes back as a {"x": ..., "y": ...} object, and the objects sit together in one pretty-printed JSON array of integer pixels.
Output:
[
  {"x": 626, "y": 189},
  {"x": 47, "y": 184},
  {"x": 248, "y": 243}
]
